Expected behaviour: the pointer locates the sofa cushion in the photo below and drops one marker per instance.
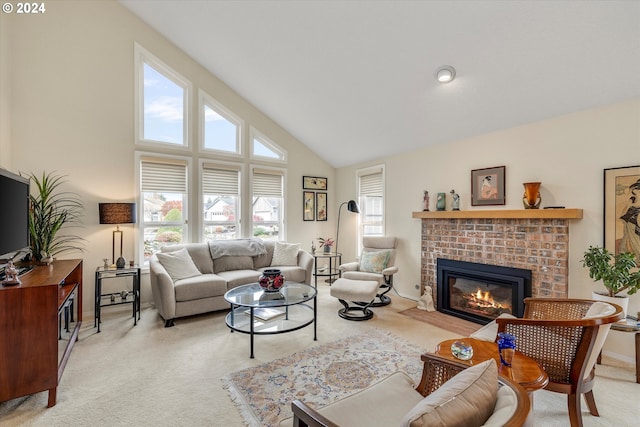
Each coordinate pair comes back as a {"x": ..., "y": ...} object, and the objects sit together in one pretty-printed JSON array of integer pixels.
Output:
[
  {"x": 395, "y": 393},
  {"x": 374, "y": 261},
  {"x": 261, "y": 261},
  {"x": 203, "y": 286},
  {"x": 199, "y": 253},
  {"x": 178, "y": 264},
  {"x": 285, "y": 254},
  {"x": 239, "y": 277},
  {"x": 489, "y": 332},
  {"x": 229, "y": 263},
  {"x": 466, "y": 400}
]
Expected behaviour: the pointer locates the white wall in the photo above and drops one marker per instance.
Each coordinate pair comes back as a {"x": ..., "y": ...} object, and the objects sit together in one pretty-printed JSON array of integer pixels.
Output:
[
  {"x": 68, "y": 99},
  {"x": 567, "y": 154}
]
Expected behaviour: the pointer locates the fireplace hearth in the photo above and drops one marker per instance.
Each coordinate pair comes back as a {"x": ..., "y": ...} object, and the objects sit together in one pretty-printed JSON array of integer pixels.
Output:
[{"x": 481, "y": 292}]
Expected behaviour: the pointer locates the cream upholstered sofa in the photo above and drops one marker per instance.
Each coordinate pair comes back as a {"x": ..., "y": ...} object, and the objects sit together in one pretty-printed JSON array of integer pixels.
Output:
[{"x": 193, "y": 278}]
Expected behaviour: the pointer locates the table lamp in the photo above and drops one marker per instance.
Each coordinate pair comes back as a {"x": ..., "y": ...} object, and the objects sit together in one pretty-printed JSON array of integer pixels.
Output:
[{"x": 117, "y": 213}]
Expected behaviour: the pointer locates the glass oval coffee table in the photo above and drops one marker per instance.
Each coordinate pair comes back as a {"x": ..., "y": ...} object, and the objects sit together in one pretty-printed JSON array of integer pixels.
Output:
[{"x": 257, "y": 312}]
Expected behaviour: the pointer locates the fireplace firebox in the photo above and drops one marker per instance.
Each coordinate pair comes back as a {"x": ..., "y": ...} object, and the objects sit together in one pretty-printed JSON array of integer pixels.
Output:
[{"x": 481, "y": 292}]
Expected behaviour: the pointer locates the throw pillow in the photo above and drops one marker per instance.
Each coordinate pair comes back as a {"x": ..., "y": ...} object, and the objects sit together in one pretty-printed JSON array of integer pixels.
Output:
[
  {"x": 178, "y": 264},
  {"x": 466, "y": 400},
  {"x": 374, "y": 261},
  {"x": 285, "y": 254},
  {"x": 489, "y": 332}
]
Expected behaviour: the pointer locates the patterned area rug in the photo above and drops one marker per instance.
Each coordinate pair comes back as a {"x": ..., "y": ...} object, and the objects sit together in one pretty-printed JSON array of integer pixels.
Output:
[{"x": 319, "y": 375}]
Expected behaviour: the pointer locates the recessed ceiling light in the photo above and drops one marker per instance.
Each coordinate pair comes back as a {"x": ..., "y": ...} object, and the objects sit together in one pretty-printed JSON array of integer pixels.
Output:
[{"x": 445, "y": 74}]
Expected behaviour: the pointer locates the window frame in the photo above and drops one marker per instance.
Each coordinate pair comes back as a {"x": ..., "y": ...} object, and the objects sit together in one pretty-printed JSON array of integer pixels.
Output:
[
  {"x": 360, "y": 173},
  {"x": 282, "y": 233},
  {"x": 254, "y": 135},
  {"x": 142, "y": 224},
  {"x": 222, "y": 165},
  {"x": 143, "y": 56},
  {"x": 204, "y": 99}
]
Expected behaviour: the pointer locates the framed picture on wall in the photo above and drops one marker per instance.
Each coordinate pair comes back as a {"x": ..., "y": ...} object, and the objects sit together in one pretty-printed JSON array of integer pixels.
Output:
[
  {"x": 314, "y": 183},
  {"x": 308, "y": 205},
  {"x": 487, "y": 186},
  {"x": 622, "y": 210},
  {"x": 321, "y": 206}
]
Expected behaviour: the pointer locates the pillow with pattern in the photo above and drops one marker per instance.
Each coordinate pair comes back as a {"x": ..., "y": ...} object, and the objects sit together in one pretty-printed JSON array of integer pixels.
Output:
[
  {"x": 374, "y": 261},
  {"x": 285, "y": 254}
]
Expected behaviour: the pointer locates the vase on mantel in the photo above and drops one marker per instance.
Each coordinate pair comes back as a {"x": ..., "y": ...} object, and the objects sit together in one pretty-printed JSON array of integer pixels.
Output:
[{"x": 531, "y": 198}]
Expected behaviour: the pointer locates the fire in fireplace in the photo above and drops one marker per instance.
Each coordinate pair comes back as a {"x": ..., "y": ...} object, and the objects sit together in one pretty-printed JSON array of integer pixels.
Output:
[{"x": 481, "y": 292}]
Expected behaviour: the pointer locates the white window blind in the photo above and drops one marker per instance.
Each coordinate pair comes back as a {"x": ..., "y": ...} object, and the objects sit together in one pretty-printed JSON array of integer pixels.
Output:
[
  {"x": 170, "y": 177},
  {"x": 371, "y": 185},
  {"x": 220, "y": 180},
  {"x": 267, "y": 183}
]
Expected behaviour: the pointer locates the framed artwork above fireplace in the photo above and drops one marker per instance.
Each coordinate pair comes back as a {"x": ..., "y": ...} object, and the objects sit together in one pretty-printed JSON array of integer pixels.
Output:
[
  {"x": 622, "y": 210},
  {"x": 487, "y": 186}
]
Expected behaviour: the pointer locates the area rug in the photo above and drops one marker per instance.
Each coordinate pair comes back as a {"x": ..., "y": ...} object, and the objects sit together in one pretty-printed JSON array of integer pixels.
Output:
[{"x": 319, "y": 375}]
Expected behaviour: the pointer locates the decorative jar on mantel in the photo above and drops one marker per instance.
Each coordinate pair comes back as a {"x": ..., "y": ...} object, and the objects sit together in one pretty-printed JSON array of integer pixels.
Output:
[{"x": 531, "y": 198}]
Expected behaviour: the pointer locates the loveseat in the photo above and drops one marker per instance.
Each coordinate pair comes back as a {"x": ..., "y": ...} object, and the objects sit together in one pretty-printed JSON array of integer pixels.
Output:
[{"x": 193, "y": 278}]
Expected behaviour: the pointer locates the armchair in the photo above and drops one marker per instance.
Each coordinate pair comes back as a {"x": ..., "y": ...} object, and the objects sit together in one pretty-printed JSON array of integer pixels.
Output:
[
  {"x": 394, "y": 400},
  {"x": 376, "y": 264},
  {"x": 565, "y": 337}
]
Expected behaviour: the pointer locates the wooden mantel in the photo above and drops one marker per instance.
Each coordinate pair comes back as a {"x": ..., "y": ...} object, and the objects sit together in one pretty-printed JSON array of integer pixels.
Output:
[{"x": 564, "y": 213}]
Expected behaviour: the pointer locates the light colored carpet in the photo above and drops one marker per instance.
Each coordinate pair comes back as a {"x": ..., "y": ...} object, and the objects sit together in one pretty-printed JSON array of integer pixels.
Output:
[
  {"x": 149, "y": 375},
  {"x": 319, "y": 375}
]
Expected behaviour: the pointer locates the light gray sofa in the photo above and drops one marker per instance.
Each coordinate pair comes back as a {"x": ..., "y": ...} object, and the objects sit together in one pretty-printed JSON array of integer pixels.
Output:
[{"x": 205, "y": 292}]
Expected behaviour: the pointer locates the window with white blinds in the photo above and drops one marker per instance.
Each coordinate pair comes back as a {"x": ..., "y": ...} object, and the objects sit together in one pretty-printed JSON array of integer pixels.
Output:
[
  {"x": 267, "y": 203},
  {"x": 371, "y": 201},
  {"x": 221, "y": 201},
  {"x": 164, "y": 194}
]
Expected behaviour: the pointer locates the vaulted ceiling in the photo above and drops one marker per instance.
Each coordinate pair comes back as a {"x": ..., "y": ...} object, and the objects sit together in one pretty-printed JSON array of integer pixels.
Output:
[{"x": 354, "y": 80}]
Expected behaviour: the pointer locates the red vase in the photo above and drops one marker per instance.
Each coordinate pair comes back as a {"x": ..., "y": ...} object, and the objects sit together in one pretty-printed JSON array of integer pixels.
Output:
[{"x": 271, "y": 280}]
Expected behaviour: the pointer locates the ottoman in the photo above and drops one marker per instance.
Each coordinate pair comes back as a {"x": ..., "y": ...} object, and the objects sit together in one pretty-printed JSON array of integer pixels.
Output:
[{"x": 364, "y": 291}]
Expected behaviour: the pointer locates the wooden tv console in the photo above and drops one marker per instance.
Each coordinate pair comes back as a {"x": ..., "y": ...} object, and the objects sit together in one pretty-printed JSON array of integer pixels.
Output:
[{"x": 39, "y": 324}]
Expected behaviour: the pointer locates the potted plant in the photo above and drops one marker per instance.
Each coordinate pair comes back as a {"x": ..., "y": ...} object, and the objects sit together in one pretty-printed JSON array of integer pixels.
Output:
[
  {"x": 616, "y": 272},
  {"x": 326, "y": 243},
  {"x": 50, "y": 210}
]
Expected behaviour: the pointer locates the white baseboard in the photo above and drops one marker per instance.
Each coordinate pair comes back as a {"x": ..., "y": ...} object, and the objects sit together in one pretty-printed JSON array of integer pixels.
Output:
[{"x": 620, "y": 358}]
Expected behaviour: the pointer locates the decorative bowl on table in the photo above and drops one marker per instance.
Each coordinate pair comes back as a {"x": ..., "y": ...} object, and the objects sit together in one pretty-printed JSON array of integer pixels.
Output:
[{"x": 271, "y": 280}]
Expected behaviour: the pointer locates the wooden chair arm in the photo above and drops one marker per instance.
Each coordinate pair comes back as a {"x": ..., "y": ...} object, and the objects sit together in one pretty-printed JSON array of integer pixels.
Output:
[{"x": 305, "y": 416}]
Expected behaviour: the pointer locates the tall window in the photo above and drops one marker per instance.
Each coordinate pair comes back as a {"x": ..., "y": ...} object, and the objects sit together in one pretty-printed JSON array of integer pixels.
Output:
[
  {"x": 221, "y": 201},
  {"x": 371, "y": 201},
  {"x": 267, "y": 203},
  {"x": 164, "y": 194},
  {"x": 162, "y": 101},
  {"x": 220, "y": 127}
]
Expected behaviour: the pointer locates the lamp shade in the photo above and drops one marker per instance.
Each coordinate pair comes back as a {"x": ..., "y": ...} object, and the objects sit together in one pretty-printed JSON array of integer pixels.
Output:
[
  {"x": 352, "y": 206},
  {"x": 117, "y": 213}
]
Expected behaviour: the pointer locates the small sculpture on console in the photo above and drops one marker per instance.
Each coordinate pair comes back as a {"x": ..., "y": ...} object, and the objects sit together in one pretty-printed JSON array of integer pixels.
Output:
[
  {"x": 425, "y": 201},
  {"x": 11, "y": 275}
]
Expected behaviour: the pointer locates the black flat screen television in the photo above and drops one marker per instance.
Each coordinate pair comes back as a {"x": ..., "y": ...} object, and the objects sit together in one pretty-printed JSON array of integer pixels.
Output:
[{"x": 14, "y": 215}]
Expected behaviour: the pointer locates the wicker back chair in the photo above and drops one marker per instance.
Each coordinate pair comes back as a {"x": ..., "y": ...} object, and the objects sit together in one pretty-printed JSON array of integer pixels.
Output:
[
  {"x": 437, "y": 371},
  {"x": 565, "y": 337}
]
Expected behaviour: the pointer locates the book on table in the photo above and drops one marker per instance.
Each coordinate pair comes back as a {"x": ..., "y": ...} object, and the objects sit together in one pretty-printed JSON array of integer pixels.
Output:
[{"x": 264, "y": 313}]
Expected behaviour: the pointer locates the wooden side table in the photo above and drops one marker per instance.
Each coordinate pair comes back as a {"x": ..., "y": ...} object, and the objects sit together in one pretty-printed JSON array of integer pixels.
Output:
[
  {"x": 631, "y": 324},
  {"x": 523, "y": 370}
]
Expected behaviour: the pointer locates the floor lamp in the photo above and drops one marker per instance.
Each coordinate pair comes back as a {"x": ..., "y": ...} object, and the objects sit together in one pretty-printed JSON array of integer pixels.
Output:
[
  {"x": 117, "y": 213},
  {"x": 352, "y": 206}
]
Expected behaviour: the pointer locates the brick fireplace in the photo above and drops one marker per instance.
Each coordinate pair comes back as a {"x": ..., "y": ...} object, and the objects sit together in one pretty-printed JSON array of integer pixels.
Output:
[{"x": 536, "y": 240}]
